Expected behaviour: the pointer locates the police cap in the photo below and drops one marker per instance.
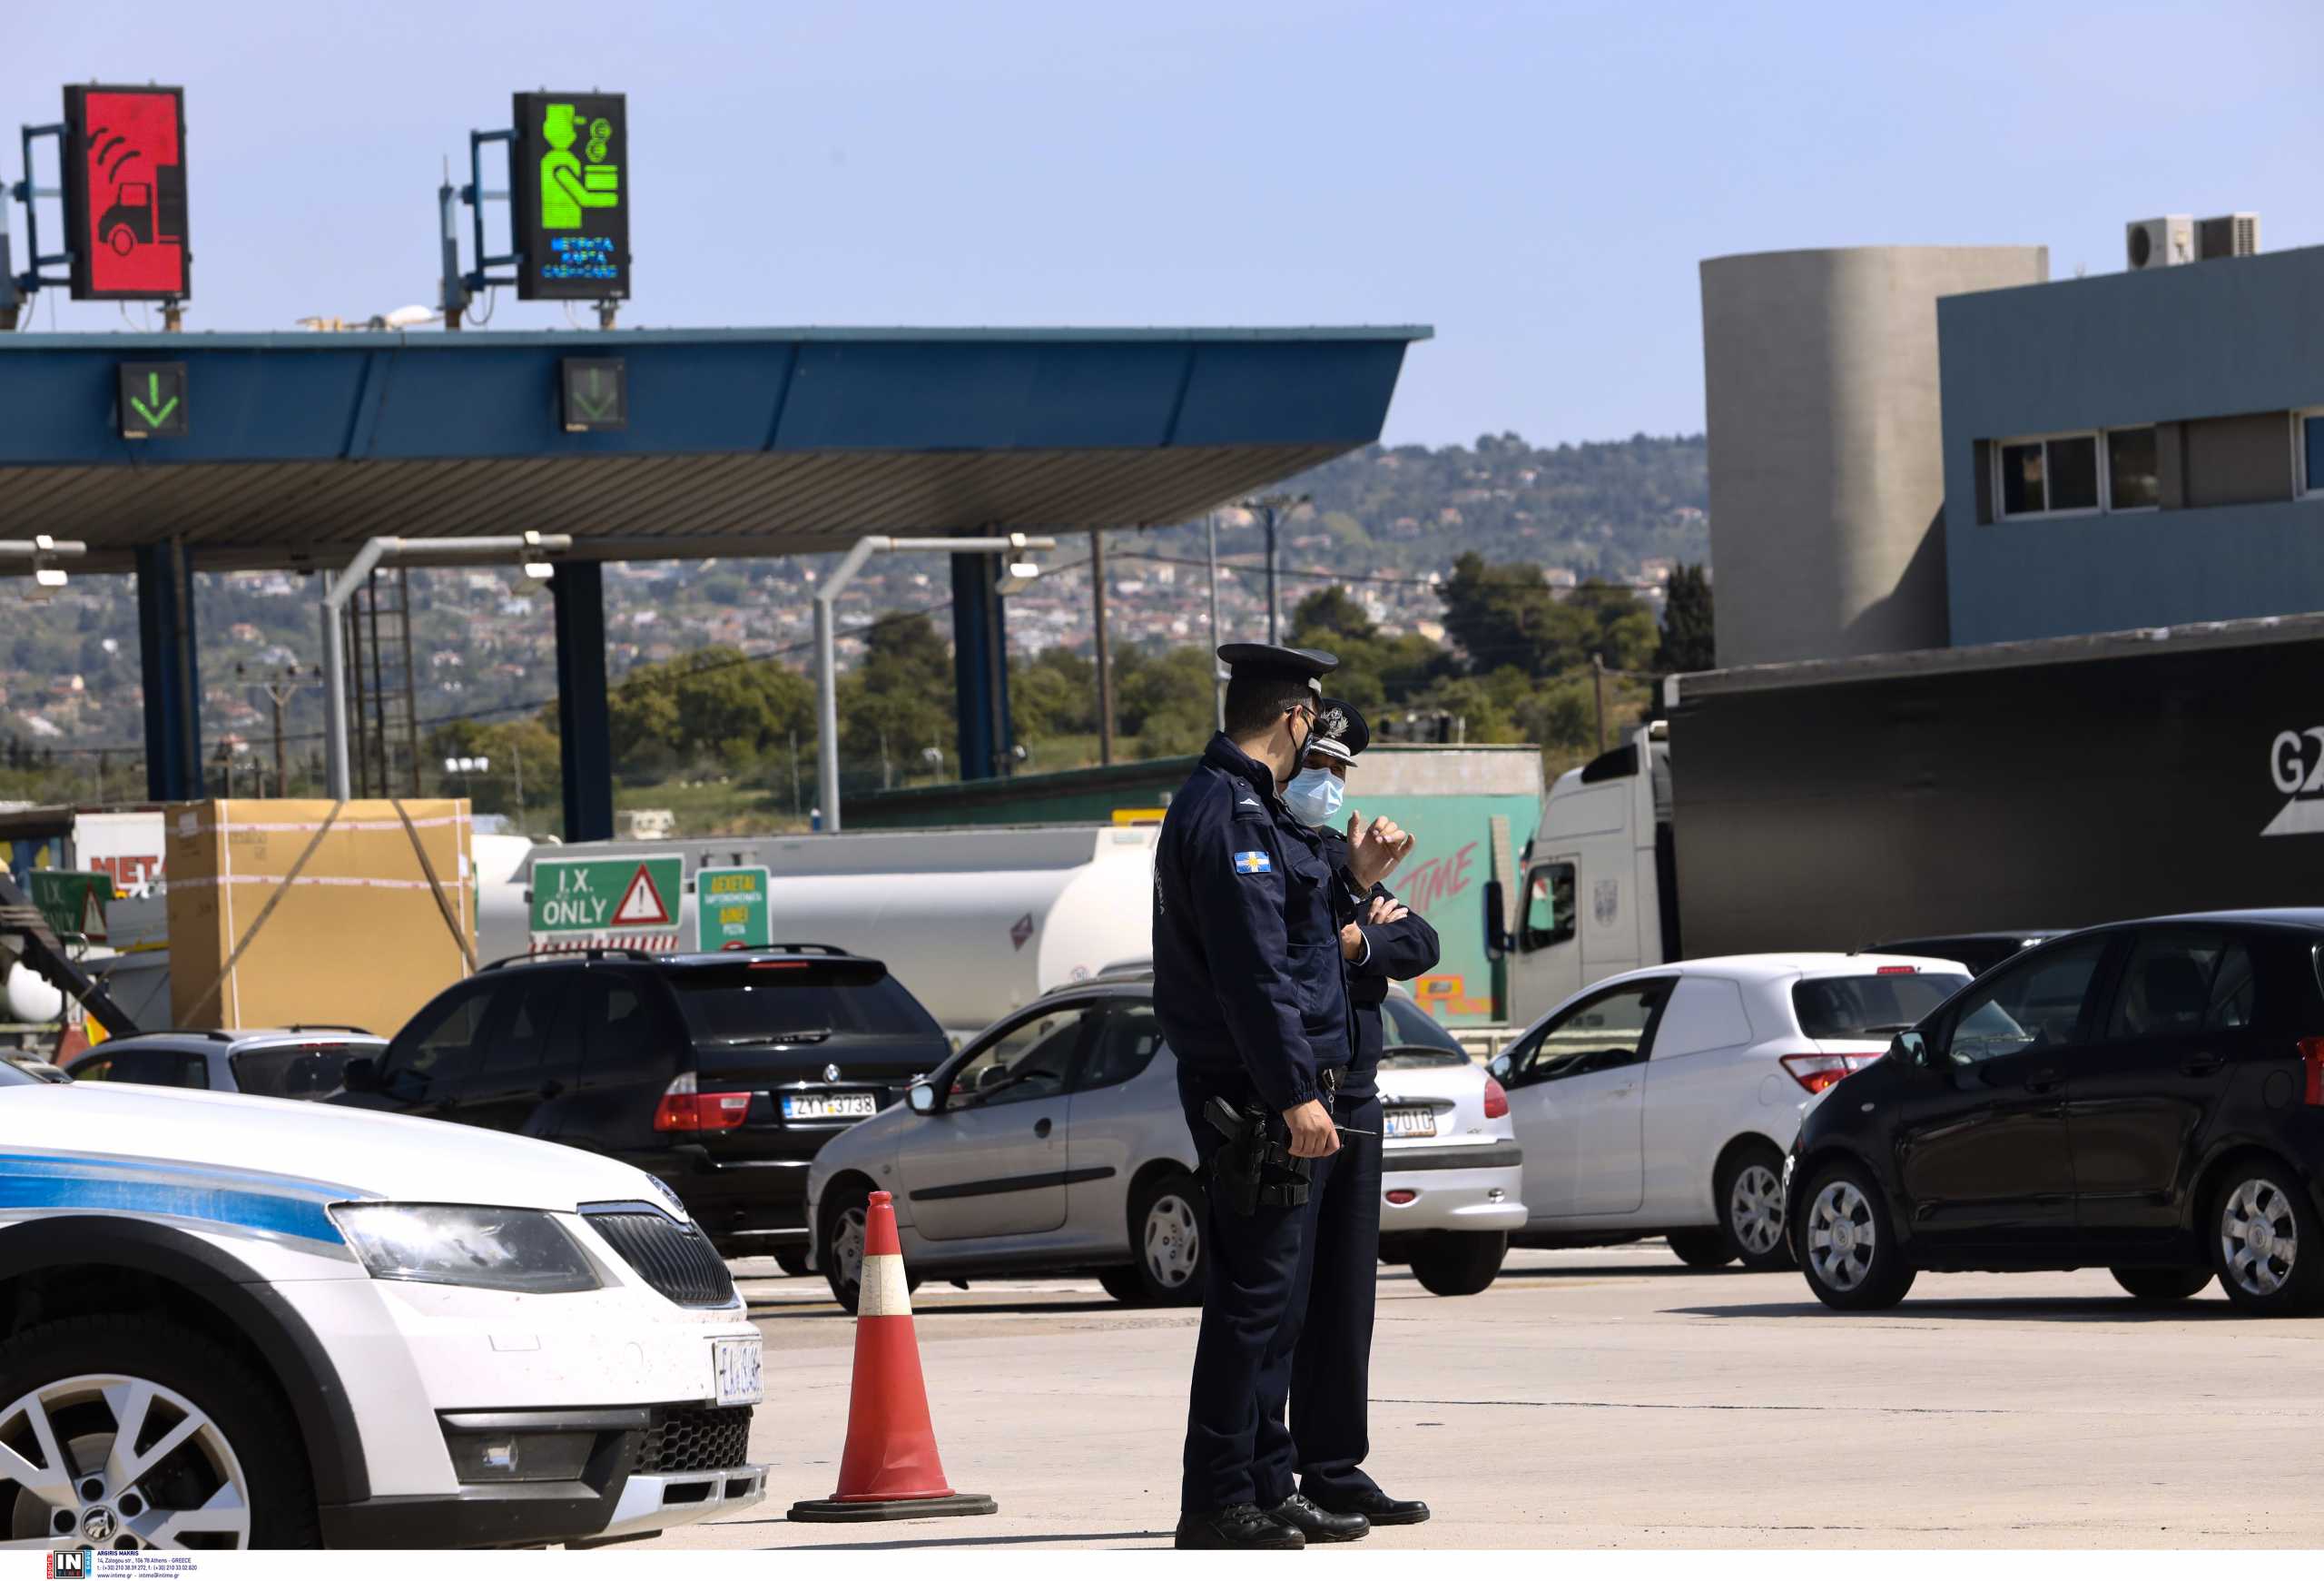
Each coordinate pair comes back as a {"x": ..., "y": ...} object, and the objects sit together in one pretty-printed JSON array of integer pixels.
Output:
[
  {"x": 1266, "y": 660},
  {"x": 1340, "y": 731}
]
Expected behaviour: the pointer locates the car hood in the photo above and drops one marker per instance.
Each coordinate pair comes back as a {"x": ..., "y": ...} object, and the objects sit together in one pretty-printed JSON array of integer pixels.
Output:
[{"x": 347, "y": 1152}]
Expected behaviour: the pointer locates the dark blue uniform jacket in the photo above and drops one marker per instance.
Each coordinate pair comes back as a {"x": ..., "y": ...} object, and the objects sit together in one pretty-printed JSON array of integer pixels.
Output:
[
  {"x": 1247, "y": 974},
  {"x": 1400, "y": 951}
]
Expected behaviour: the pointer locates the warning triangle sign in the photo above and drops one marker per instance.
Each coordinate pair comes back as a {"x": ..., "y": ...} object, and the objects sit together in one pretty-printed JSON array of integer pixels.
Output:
[
  {"x": 92, "y": 917},
  {"x": 640, "y": 906}
]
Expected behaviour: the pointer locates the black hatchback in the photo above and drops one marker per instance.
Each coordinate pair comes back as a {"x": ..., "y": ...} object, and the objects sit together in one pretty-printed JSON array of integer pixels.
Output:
[
  {"x": 722, "y": 1074},
  {"x": 2145, "y": 1097}
]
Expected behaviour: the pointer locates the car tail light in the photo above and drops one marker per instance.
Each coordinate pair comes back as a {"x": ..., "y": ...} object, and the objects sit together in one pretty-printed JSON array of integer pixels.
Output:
[
  {"x": 780, "y": 965},
  {"x": 684, "y": 1108},
  {"x": 2311, "y": 1054},
  {"x": 1895, "y": 970},
  {"x": 1817, "y": 1072},
  {"x": 1497, "y": 1099},
  {"x": 1402, "y": 1196}
]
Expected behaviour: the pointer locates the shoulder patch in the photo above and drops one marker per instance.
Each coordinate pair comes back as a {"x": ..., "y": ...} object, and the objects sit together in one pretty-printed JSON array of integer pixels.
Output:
[{"x": 1252, "y": 861}]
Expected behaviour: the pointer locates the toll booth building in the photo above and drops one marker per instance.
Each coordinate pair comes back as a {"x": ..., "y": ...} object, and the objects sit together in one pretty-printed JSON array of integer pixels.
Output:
[
  {"x": 2134, "y": 449},
  {"x": 171, "y": 453}
]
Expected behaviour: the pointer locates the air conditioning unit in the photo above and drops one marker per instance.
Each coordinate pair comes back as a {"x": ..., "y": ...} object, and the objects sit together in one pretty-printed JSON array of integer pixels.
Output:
[
  {"x": 2228, "y": 236},
  {"x": 2155, "y": 244}
]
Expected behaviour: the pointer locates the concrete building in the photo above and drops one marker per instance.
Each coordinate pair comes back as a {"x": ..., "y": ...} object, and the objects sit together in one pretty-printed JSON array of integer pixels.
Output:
[
  {"x": 1828, "y": 478},
  {"x": 2128, "y": 451}
]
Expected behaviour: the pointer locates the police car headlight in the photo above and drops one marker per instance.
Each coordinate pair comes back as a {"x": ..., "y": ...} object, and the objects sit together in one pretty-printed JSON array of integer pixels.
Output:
[{"x": 492, "y": 1249}]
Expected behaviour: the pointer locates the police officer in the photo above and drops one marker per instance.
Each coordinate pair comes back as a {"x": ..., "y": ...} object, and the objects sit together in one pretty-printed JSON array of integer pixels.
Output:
[
  {"x": 1330, "y": 1369},
  {"x": 1251, "y": 989}
]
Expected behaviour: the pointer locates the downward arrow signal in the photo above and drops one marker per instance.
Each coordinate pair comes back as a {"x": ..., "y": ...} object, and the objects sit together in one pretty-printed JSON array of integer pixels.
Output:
[
  {"x": 158, "y": 412},
  {"x": 596, "y": 403}
]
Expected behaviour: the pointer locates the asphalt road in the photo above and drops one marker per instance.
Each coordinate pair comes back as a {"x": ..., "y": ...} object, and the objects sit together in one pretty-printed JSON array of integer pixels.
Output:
[{"x": 1613, "y": 1398}]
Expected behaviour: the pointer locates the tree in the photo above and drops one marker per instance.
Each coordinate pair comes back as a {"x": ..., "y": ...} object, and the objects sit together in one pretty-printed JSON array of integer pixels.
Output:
[
  {"x": 898, "y": 701},
  {"x": 1687, "y": 642},
  {"x": 1321, "y": 618},
  {"x": 1507, "y": 615}
]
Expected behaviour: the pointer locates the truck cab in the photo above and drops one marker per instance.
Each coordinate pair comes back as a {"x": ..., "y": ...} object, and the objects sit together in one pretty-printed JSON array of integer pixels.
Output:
[{"x": 1596, "y": 894}]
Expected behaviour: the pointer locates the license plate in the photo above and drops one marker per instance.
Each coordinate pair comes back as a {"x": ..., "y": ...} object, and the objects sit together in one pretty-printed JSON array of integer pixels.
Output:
[
  {"x": 735, "y": 1363},
  {"x": 1411, "y": 1122},
  {"x": 829, "y": 1106}
]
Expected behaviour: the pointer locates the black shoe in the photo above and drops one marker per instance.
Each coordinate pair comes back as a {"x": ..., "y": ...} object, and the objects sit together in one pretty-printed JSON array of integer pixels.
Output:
[
  {"x": 1238, "y": 1525},
  {"x": 1376, "y": 1508},
  {"x": 1319, "y": 1525}
]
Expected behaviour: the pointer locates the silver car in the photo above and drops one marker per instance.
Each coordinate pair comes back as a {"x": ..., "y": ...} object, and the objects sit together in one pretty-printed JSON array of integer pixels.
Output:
[{"x": 1054, "y": 1143}]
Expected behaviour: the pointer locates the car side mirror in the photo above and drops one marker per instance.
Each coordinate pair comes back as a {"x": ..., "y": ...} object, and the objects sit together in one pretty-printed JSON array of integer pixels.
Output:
[
  {"x": 361, "y": 1074},
  {"x": 1911, "y": 1047},
  {"x": 1496, "y": 920},
  {"x": 921, "y": 1097},
  {"x": 1498, "y": 1067}
]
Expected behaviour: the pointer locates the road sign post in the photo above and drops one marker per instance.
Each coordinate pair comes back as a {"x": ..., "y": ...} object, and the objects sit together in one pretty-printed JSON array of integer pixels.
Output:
[
  {"x": 580, "y": 902},
  {"x": 729, "y": 909}
]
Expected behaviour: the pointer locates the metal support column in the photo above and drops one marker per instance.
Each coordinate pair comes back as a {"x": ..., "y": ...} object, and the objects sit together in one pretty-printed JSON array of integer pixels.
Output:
[
  {"x": 582, "y": 725},
  {"x": 979, "y": 665},
  {"x": 173, "y": 688}
]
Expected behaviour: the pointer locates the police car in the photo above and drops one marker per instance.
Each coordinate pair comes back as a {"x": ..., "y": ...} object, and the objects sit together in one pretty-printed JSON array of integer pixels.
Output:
[{"x": 234, "y": 1321}]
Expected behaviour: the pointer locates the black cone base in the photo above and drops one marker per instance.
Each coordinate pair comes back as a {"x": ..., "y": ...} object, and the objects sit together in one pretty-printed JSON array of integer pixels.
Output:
[{"x": 893, "y": 1509}]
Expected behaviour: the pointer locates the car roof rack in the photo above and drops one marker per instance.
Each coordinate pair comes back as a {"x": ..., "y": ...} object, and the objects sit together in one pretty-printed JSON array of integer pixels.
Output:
[
  {"x": 592, "y": 952},
  {"x": 330, "y": 1026}
]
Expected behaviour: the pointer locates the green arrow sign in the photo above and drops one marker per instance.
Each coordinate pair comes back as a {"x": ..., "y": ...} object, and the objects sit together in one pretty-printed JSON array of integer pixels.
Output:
[
  {"x": 596, "y": 394},
  {"x": 630, "y": 901},
  {"x": 152, "y": 400},
  {"x": 729, "y": 909}
]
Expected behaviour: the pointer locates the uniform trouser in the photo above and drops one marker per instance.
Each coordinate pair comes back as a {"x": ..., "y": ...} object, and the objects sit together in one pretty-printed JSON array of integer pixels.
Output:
[
  {"x": 1330, "y": 1368},
  {"x": 1238, "y": 1447}
]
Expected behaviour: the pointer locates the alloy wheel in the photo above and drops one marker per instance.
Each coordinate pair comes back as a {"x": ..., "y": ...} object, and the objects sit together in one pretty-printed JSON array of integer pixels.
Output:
[
  {"x": 1754, "y": 1210},
  {"x": 1173, "y": 1242},
  {"x": 847, "y": 1245},
  {"x": 1841, "y": 1236},
  {"x": 106, "y": 1461},
  {"x": 2258, "y": 1234}
]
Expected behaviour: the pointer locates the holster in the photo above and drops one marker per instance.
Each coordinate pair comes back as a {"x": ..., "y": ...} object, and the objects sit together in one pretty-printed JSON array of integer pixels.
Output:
[{"x": 1255, "y": 1168}]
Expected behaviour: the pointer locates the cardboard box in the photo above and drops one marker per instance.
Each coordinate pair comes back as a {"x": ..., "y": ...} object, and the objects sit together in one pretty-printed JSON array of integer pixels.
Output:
[{"x": 356, "y": 938}]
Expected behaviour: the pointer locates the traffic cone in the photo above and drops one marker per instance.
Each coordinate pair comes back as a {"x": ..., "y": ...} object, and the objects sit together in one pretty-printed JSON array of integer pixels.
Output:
[{"x": 890, "y": 1469}]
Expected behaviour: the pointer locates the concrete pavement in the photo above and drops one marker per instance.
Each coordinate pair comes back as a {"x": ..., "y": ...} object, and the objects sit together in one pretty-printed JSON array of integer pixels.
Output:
[{"x": 1613, "y": 1398}]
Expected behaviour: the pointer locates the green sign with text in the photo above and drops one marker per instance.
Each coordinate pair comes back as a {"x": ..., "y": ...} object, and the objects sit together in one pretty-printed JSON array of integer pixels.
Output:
[
  {"x": 729, "y": 909},
  {"x": 627, "y": 901}
]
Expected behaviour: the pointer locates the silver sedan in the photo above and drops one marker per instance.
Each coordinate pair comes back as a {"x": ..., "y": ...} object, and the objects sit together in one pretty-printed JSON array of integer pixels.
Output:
[{"x": 1054, "y": 1143}]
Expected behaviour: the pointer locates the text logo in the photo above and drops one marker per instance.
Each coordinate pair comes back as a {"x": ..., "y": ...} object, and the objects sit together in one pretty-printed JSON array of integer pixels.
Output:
[
  {"x": 74, "y": 1565},
  {"x": 2295, "y": 768}
]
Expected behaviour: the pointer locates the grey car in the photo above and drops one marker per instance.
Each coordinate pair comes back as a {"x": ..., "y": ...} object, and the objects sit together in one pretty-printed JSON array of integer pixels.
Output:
[
  {"x": 292, "y": 1061},
  {"x": 1054, "y": 1143}
]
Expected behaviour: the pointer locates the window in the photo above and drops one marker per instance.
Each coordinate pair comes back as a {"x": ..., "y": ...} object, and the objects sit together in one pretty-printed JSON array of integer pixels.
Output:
[
  {"x": 1600, "y": 1033},
  {"x": 756, "y": 1000},
  {"x": 151, "y": 1067},
  {"x": 1031, "y": 1059},
  {"x": 2182, "y": 982},
  {"x": 299, "y": 1070},
  {"x": 2034, "y": 1004},
  {"x": 523, "y": 1016},
  {"x": 2308, "y": 450},
  {"x": 1127, "y": 1041},
  {"x": 2077, "y": 474},
  {"x": 1549, "y": 906},
  {"x": 1870, "y": 1006},
  {"x": 1410, "y": 1027},
  {"x": 626, "y": 1036},
  {"x": 439, "y": 1045}
]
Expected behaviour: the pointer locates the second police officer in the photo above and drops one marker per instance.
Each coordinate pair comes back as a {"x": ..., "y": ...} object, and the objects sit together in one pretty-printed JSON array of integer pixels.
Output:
[
  {"x": 1330, "y": 1370},
  {"x": 1250, "y": 986}
]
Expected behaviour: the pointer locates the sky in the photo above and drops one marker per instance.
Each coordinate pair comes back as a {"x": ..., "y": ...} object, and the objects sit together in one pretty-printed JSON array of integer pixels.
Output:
[{"x": 1538, "y": 183}]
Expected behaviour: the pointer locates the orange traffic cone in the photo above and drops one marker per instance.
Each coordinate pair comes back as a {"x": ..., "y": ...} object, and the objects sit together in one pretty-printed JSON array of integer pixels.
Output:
[{"x": 890, "y": 1469}]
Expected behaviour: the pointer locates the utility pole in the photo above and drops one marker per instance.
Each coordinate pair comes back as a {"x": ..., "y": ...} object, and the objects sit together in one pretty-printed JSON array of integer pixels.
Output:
[
  {"x": 519, "y": 753},
  {"x": 1598, "y": 684},
  {"x": 1217, "y": 672},
  {"x": 280, "y": 684},
  {"x": 1105, "y": 658},
  {"x": 1271, "y": 508}
]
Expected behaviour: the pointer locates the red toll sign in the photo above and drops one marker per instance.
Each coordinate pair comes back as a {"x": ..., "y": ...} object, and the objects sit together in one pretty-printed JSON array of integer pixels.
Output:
[{"x": 124, "y": 193}]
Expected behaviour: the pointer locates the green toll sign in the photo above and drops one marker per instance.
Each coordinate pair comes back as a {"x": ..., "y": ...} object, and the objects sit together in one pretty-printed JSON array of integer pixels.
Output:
[
  {"x": 595, "y": 392},
  {"x": 152, "y": 400},
  {"x": 729, "y": 909},
  {"x": 73, "y": 902},
  {"x": 569, "y": 193},
  {"x": 617, "y": 902}
]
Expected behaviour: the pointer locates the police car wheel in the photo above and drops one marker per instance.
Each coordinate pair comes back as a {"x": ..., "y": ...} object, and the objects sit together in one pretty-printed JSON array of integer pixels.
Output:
[
  {"x": 129, "y": 1431},
  {"x": 1167, "y": 1220}
]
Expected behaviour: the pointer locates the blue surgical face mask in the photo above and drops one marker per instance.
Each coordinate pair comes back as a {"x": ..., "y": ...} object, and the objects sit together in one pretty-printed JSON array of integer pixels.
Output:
[{"x": 1313, "y": 796}]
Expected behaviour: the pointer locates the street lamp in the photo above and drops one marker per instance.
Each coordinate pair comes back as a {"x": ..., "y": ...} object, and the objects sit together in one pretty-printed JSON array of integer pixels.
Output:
[{"x": 827, "y": 591}]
